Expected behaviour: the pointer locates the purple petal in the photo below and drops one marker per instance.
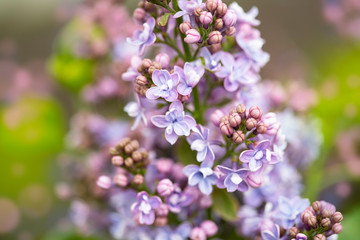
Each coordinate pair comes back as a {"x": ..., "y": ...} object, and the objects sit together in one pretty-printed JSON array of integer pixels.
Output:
[
  {"x": 153, "y": 93},
  {"x": 220, "y": 182},
  {"x": 263, "y": 145},
  {"x": 190, "y": 121},
  {"x": 246, "y": 156},
  {"x": 160, "y": 121},
  {"x": 173, "y": 95},
  {"x": 231, "y": 86},
  {"x": 195, "y": 178},
  {"x": 225, "y": 170},
  {"x": 147, "y": 219},
  {"x": 184, "y": 89},
  {"x": 230, "y": 186},
  {"x": 181, "y": 128},
  {"x": 190, "y": 169},
  {"x": 205, "y": 187},
  {"x": 155, "y": 202},
  {"x": 201, "y": 155},
  {"x": 255, "y": 165},
  {"x": 243, "y": 187},
  {"x": 177, "y": 105},
  {"x": 175, "y": 78},
  {"x": 171, "y": 137}
]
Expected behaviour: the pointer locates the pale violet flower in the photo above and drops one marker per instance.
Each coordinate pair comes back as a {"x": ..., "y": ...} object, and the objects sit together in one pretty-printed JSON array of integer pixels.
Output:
[
  {"x": 189, "y": 77},
  {"x": 175, "y": 121},
  {"x": 182, "y": 232},
  {"x": 199, "y": 141},
  {"x": 243, "y": 17},
  {"x": 144, "y": 208},
  {"x": 269, "y": 230},
  {"x": 187, "y": 7},
  {"x": 165, "y": 86},
  {"x": 135, "y": 110},
  {"x": 204, "y": 177},
  {"x": 233, "y": 179},
  {"x": 132, "y": 73},
  {"x": 212, "y": 61},
  {"x": 236, "y": 72},
  {"x": 252, "y": 51},
  {"x": 145, "y": 37},
  {"x": 259, "y": 156},
  {"x": 289, "y": 210}
]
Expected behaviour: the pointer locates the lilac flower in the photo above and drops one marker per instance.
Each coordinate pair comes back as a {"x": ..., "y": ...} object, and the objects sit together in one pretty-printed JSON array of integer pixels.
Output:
[
  {"x": 202, "y": 176},
  {"x": 189, "y": 77},
  {"x": 165, "y": 86},
  {"x": 145, "y": 37},
  {"x": 135, "y": 110},
  {"x": 236, "y": 72},
  {"x": 212, "y": 62},
  {"x": 132, "y": 73},
  {"x": 178, "y": 200},
  {"x": 233, "y": 179},
  {"x": 199, "y": 142},
  {"x": 259, "y": 156},
  {"x": 252, "y": 50},
  {"x": 187, "y": 7},
  {"x": 289, "y": 210},
  {"x": 145, "y": 207},
  {"x": 269, "y": 230},
  {"x": 180, "y": 233},
  {"x": 243, "y": 17},
  {"x": 175, "y": 121}
]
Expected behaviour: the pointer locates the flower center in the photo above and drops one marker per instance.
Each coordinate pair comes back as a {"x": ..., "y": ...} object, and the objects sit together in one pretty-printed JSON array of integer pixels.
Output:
[
  {"x": 259, "y": 155},
  {"x": 236, "y": 179}
]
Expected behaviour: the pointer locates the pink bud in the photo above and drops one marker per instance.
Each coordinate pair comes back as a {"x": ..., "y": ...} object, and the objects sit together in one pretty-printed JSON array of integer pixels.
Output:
[
  {"x": 250, "y": 123},
  {"x": 216, "y": 116},
  {"x": 254, "y": 179},
  {"x": 139, "y": 14},
  {"x": 104, "y": 182},
  {"x": 197, "y": 233},
  {"x": 117, "y": 161},
  {"x": 121, "y": 180},
  {"x": 225, "y": 128},
  {"x": 163, "y": 210},
  {"x": 163, "y": 59},
  {"x": 164, "y": 165},
  {"x": 209, "y": 228},
  {"x": 255, "y": 112},
  {"x": 234, "y": 120},
  {"x": 230, "y": 18},
  {"x": 211, "y": 5},
  {"x": 305, "y": 216},
  {"x": 185, "y": 26},
  {"x": 230, "y": 31},
  {"x": 337, "y": 217},
  {"x": 205, "y": 201},
  {"x": 301, "y": 236},
  {"x": 165, "y": 187},
  {"x": 215, "y": 37},
  {"x": 192, "y": 36},
  {"x": 337, "y": 228},
  {"x": 221, "y": 9},
  {"x": 206, "y": 18}
]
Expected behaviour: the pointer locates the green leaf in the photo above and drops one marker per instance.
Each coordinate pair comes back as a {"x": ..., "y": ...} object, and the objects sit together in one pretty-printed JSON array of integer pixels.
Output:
[
  {"x": 164, "y": 19},
  {"x": 185, "y": 154},
  {"x": 225, "y": 204}
]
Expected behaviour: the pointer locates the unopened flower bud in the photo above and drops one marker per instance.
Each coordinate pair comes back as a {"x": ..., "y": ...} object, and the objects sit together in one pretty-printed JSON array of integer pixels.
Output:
[
  {"x": 215, "y": 37},
  {"x": 234, "y": 120},
  {"x": 139, "y": 14},
  {"x": 149, "y": 6},
  {"x": 225, "y": 128},
  {"x": 141, "y": 80},
  {"x": 198, "y": 11},
  {"x": 157, "y": 65},
  {"x": 337, "y": 217},
  {"x": 129, "y": 162},
  {"x": 238, "y": 137},
  {"x": 197, "y": 233},
  {"x": 312, "y": 221},
  {"x": 132, "y": 146},
  {"x": 215, "y": 48},
  {"x": 113, "y": 151},
  {"x": 337, "y": 228},
  {"x": 138, "y": 179},
  {"x": 104, "y": 182},
  {"x": 117, "y": 161},
  {"x": 192, "y": 36},
  {"x": 209, "y": 228},
  {"x": 163, "y": 59},
  {"x": 137, "y": 156},
  {"x": 254, "y": 180},
  {"x": 163, "y": 210},
  {"x": 301, "y": 236},
  {"x": 305, "y": 215},
  {"x": 316, "y": 206},
  {"x": 184, "y": 98},
  {"x": 260, "y": 129},
  {"x": 211, "y": 5},
  {"x": 185, "y": 26},
  {"x": 325, "y": 222},
  {"x": 123, "y": 142},
  {"x": 121, "y": 180},
  {"x": 293, "y": 231},
  {"x": 250, "y": 123},
  {"x": 216, "y": 116},
  {"x": 161, "y": 221},
  {"x": 165, "y": 187},
  {"x": 151, "y": 70},
  {"x": 206, "y": 18},
  {"x": 219, "y": 23},
  {"x": 327, "y": 209},
  {"x": 230, "y": 18},
  {"x": 146, "y": 63},
  {"x": 230, "y": 31},
  {"x": 255, "y": 112},
  {"x": 221, "y": 9},
  {"x": 241, "y": 109},
  {"x": 320, "y": 237}
]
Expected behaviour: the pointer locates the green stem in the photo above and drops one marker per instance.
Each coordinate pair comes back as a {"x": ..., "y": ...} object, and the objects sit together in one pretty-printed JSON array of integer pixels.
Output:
[{"x": 198, "y": 107}]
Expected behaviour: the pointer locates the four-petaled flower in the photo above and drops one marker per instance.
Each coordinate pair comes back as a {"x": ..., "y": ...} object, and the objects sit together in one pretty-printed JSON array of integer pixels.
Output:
[
  {"x": 187, "y": 7},
  {"x": 289, "y": 210},
  {"x": 165, "y": 86},
  {"x": 175, "y": 121},
  {"x": 243, "y": 17},
  {"x": 259, "y": 156},
  {"x": 189, "y": 77},
  {"x": 202, "y": 176},
  {"x": 233, "y": 179},
  {"x": 199, "y": 142},
  {"x": 212, "y": 61},
  {"x": 236, "y": 72},
  {"x": 178, "y": 200},
  {"x": 145, "y": 37},
  {"x": 145, "y": 207}
]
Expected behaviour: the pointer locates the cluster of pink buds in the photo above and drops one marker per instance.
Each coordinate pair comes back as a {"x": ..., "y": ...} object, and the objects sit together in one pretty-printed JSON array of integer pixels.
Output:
[
  {"x": 146, "y": 69},
  {"x": 215, "y": 22},
  {"x": 321, "y": 219},
  {"x": 141, "y": 11},
  {"x": 131, "y": 162},
  {"x": 239, "y": 122}
]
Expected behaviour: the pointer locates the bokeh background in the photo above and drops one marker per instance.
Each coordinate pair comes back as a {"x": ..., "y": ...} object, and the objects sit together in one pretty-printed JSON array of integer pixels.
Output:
[{"x": 312, "y": 43}]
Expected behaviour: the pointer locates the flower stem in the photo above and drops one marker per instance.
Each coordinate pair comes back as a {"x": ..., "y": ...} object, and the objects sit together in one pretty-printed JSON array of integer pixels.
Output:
[{"x": 198, "y": 107}]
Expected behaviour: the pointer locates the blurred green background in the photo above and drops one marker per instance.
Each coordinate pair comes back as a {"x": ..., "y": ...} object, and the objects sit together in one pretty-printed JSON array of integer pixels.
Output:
[{"x": 34, "y": 117}]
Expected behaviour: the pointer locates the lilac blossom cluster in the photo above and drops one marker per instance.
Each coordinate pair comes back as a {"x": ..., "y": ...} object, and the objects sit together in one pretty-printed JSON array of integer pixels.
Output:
[{"x": 203, "y": 129}]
